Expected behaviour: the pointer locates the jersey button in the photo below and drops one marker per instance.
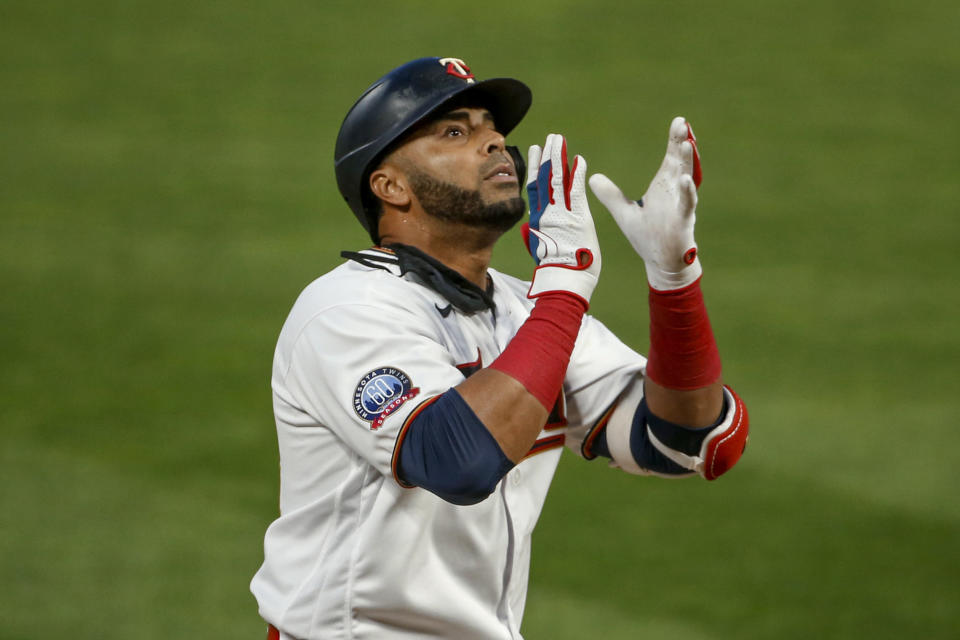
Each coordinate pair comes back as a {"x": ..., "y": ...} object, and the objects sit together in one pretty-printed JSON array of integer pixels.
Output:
[{"x": 515, "y": 477}]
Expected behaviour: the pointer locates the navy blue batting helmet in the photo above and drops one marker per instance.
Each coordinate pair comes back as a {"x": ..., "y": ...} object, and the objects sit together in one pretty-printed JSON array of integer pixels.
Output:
[{"x": 397, "y": 102}]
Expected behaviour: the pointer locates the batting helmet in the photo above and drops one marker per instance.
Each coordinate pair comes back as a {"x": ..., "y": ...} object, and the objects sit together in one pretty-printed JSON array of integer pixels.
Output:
[{"x": 397, "y": 102}]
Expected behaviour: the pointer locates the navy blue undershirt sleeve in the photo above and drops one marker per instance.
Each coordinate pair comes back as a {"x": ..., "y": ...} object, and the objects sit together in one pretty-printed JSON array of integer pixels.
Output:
[{"x": 448, "y": 451}]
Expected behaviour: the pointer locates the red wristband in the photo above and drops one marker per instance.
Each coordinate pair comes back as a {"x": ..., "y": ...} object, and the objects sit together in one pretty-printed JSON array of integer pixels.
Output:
[
  {"x": 683, "y": 352},
  {"x": 538, "y": 354}
]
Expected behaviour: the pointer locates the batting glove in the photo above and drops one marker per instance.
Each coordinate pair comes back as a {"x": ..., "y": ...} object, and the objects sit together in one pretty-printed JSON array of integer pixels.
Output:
[
  {"x": 659, "y": 226},
  {"x": 560, "y": 235}
]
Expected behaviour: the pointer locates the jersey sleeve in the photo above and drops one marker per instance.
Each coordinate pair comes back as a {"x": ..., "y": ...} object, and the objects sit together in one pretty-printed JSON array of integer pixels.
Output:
[
  {"x": 601, "y": 369},
  {"x": 360, "y": 370}
]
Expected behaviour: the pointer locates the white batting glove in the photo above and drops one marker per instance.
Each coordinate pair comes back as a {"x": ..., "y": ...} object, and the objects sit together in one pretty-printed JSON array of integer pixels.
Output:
[
  {"x": 560, "y": 235},
  {"x": 660, "y": 225}
]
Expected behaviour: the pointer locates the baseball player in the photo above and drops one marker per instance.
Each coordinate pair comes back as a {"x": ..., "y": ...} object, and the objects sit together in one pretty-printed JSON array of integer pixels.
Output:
[{"x": 423, "y": 399}]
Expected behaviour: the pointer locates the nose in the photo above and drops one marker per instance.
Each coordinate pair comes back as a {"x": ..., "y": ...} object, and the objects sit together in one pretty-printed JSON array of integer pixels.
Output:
[{"x": 495, "y": 143}]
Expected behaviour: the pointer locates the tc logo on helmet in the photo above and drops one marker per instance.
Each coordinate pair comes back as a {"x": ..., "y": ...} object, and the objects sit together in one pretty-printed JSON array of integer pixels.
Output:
[{"x": 457, "y": 67}]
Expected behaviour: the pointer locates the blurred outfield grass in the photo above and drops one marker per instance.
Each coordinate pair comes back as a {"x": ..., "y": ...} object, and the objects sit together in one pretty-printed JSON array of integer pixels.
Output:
[{"x": 166, "y": 190}]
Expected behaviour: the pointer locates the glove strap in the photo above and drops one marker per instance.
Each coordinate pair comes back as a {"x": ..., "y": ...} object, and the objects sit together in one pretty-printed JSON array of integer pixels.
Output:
[
  {"x": 563, "y": 279},
  {"x": 666, "y": 281},
  {"x": 683, "y": 352},
  {"x": 538, "y": 354}
]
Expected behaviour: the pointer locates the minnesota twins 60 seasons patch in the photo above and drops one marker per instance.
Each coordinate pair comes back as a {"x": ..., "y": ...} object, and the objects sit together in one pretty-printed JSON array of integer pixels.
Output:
[{"x": 381, "y": 392}]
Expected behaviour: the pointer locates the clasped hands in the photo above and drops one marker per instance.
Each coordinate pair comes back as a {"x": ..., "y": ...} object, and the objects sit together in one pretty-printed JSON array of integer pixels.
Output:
[{"x": 561, "y": 236}]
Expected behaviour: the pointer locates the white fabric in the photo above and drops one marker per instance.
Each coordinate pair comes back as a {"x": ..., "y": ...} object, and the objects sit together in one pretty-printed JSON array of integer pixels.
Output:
[
  {"x": 661, "y": 228},
  {"x": 355, "y": 555},
  {"x": 618, "y": 431}
]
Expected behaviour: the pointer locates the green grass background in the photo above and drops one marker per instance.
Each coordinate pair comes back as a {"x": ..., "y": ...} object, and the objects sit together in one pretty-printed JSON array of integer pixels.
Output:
[{"x": 166, "y": 189}]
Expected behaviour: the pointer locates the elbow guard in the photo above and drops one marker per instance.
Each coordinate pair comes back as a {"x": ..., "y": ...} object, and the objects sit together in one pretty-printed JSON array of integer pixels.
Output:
[
  {"x": 710, "y": 451},
  {"x": 448, "y": 451},
  {"x": 649, "y": 445}
]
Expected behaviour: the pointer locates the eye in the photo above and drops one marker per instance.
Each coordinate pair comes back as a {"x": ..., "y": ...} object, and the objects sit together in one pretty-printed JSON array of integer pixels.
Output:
[{"x": 454, "y": 131}]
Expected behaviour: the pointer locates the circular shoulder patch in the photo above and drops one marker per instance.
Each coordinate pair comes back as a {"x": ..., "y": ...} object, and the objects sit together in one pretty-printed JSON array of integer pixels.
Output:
[{"x": 381, "y": 392}]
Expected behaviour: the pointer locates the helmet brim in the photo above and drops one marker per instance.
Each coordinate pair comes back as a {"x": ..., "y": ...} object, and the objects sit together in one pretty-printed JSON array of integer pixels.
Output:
[{"x": 507, "y": 99}]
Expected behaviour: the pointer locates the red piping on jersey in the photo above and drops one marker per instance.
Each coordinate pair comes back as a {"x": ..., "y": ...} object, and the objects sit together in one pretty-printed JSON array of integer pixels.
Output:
[
  {"x": 587, "y": 447},
  {"x": 469, "y": 368},
  {"x": 558, "y": 416},
  {"x": 545, "y": 444},
  {"x": 395, "y": 460}
]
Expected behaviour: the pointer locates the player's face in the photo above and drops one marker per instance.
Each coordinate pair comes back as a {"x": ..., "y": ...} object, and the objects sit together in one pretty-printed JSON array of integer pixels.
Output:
[{"x": 461, "y": 172}]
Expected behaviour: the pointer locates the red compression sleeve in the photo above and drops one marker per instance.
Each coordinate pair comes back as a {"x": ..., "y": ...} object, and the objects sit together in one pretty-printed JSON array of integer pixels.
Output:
[
  {"x": 683, "y": 352},
  {"x": 538, "y": 355}
]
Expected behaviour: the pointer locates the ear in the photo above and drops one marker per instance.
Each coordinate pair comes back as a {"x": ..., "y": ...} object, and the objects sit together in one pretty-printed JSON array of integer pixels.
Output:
[{"x": 389, "y": 184}]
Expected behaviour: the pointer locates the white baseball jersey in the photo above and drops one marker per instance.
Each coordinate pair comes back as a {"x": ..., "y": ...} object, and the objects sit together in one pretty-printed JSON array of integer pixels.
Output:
[{"x": 355, "y": 555}]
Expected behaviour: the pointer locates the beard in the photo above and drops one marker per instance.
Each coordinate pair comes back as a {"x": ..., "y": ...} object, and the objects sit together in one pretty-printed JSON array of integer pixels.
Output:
[{"x": 451, "y": 203}]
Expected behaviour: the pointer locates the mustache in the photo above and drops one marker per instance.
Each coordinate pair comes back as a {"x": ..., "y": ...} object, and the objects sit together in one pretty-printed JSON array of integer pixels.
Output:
[{"x": 496, "y": 160}]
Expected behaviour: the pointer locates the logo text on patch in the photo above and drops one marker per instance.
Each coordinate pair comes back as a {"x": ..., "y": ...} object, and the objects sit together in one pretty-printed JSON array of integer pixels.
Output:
[{"x": 381, "y": 392}]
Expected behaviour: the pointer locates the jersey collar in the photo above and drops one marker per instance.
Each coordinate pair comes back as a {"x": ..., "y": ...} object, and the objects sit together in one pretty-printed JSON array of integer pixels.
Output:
[{"x": 457, "y": 290}]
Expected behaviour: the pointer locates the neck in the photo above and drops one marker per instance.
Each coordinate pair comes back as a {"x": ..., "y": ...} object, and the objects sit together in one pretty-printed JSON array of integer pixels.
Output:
[{"x": 466, "y": 250}]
